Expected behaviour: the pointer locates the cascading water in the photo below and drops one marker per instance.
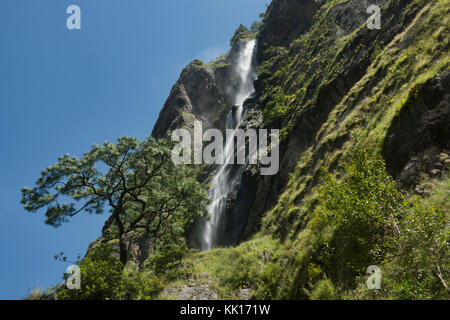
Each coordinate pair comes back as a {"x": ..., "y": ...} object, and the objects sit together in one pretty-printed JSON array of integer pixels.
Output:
[{"x": 224, "y": 178}]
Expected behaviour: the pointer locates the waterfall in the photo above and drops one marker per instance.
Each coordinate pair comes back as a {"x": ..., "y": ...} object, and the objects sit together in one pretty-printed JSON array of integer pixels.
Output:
[{"x": 224, "y": 178}]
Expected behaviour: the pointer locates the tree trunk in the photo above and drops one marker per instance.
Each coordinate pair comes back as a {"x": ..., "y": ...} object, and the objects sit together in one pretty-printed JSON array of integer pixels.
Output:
[
  {"x": 439, "y": 275},
  {"x": 123, "y": 249},
  {"x": 122, "y": 241}
]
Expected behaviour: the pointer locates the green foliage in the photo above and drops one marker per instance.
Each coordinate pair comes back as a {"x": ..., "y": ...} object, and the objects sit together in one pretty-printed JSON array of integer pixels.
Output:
[
  {"x": 219, "y": 62},
  {"x": 242, "y": 33},
  {"x": 374, "y": 224},
  {"x": 324, "y": 290},
  {"x": 412, "y": 97},
  {"x": 363, "y": 209},
  {"x": 102, "y": 278},
  {"x": 250, "y": 265},
  {"x": 142, "y": 167},
  {"x": 136, "y": 180},
  {"x": 168, "y": 258},
  {"x": 101, "y": 275},
  {"x": 276, "y": 104},
  {"x": 256, "y": 26},
  {"x": 266, "y": 283},
  {"x": 376, "y": 51},
  {"x": 420, "y": 267}
]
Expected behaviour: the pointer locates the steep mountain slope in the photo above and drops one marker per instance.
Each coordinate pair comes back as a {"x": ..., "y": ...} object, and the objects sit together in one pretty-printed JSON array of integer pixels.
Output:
[
  {"x": 204, "y": 91},
  {"x": 333, "y": 86}
]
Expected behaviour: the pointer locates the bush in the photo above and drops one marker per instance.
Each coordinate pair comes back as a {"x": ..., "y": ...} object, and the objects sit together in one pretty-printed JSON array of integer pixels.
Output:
[
  {"x": 102, "y": 278},
  {"x": 364, "y": 209},
  {"x": 324, "y": 290},
  {"x": 266, "y": 283},
  {"x": 168, "y": 257},
  {"x": 374, "y": 224},
  {"x": 421, "y": 265}
]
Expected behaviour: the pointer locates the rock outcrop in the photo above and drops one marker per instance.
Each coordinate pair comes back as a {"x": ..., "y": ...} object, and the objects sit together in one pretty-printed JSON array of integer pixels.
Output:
[
  {"x": 204, "y": 92},
  {"x": 299, "y": 35},
  {"x": 419, "y": 139},
  {"x": 284, "y": 22},
  {"x": 193, "y": 291},
  {"x": 330, "y": 85},
  {"x": 195, "y": 97}
]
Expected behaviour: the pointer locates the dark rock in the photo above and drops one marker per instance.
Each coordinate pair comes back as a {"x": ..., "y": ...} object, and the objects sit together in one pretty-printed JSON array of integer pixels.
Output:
[
  {"x": 420, "y": 133},
  {"x": 285, "y": 21}
]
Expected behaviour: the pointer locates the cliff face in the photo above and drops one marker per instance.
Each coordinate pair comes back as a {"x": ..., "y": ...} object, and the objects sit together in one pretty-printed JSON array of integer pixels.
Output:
[
  {"x": 332, "y": 86},
  {"x": 315, "y": 87},
  {"x": 284, "y": 22},
  {"x": 306, "y": 78},
  {"x": 204, "y": 92},
  {"x": 311, "y": 55},
  {"x": 418, "y": 140},
  {"x": 195, "y": 97}
]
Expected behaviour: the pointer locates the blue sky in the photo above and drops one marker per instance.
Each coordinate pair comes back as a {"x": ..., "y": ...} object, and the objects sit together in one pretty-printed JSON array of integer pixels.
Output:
[{"x": 61, "y": 91}]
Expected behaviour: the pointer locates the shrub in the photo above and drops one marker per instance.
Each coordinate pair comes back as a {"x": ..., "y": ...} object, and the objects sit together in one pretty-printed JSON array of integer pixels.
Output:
[
  {"x": 102, "y": 278},
  {"x": 421, "y": 264},
  {"x": 168, "y": 257},
  {"x": 266, "y": 283},
  {"x": 374, "y": 224},
  {"x": 363, "y": 209},
  {"x": 324, "y": 290}
]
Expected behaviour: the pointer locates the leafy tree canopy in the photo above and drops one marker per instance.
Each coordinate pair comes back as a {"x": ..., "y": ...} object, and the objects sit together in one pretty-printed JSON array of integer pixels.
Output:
[{"x": 136, "y": 181}]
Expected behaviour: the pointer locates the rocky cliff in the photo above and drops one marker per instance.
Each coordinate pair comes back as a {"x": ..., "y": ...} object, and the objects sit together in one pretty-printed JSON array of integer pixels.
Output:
[
  {"x": 331, "y": 85},
  {"x": 204, "y": 92}
]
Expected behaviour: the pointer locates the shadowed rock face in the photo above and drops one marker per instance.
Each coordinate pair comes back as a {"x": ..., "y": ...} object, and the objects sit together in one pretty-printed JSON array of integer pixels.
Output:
[
  {"x": 285, "y": 21},
  {"x": 419, "y": 139}
]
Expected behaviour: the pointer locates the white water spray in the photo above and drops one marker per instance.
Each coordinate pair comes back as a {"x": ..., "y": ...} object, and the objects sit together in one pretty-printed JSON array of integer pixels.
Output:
[{"x": 222, "y": 182}]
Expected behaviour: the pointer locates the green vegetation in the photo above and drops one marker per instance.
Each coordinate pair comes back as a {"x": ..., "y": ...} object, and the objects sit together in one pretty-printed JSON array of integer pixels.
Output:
[
  {"x": 320, "y": 253},
  {"x": 168, "y": 259},
  {"x": 102, "y": 278},
  {"x": 324, "y": 290},
  {"x": 142, "y": 187},
  {"x": 362, "y": 219},
  {"x": 146, "y": 194},
  {"x": 374, "y": 225},
  {"x": 253, "y": 267},
  {"x": 256, "y": 26},
  {"x": 364, "y": 210},
  {"x": 340, "y": 211},
  {"x": 250, "y": 265},
  {"x": 220, "y": 62},
  {"x": 242, "y": 33}
]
